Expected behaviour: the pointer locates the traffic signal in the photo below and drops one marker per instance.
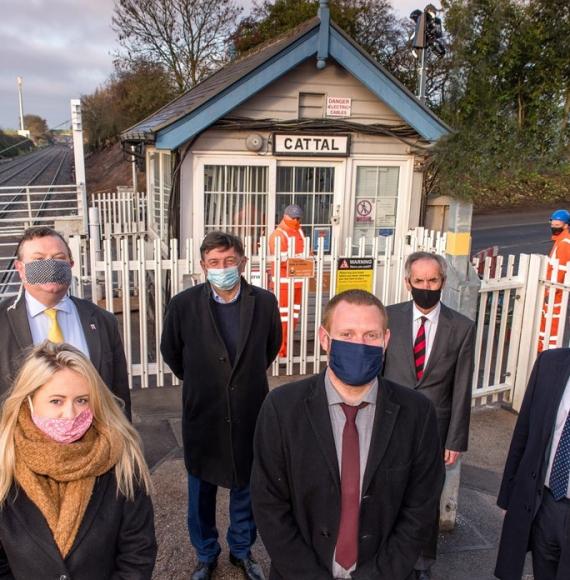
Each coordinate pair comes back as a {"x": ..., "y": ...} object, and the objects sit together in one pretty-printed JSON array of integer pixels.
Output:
[
  {"x": 418, "y": 39},
  {"x": 428, "y": 32}
]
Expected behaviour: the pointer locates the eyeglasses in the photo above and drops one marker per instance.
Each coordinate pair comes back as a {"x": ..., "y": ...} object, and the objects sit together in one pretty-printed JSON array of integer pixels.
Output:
[{"x": 225, "y": 263}]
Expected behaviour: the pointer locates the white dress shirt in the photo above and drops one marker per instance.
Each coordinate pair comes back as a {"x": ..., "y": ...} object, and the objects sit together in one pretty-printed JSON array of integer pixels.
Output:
[
  {"x": 430, "y": 326},
  {"x": 67, "y": 317},
  {"x": 563, "y": 410}
]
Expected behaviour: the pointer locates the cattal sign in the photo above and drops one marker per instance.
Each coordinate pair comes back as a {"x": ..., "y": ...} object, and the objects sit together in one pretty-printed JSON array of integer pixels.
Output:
[{"x": 311, "y": 145}]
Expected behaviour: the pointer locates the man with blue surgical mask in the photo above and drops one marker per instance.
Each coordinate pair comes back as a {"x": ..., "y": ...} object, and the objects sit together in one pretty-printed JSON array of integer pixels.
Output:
[
  {"x": 44, "y": 310},
  {"x": 219, "y": 338},
  {"x": 348, "y": 467}
]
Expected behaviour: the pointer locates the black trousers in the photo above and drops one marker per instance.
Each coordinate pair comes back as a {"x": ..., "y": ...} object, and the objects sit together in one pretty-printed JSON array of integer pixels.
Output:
[{"x": 550, "y": 539}]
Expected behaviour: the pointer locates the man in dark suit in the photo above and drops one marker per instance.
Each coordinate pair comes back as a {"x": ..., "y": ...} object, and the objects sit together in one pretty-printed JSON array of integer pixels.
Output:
[
  {"x": 219, "y": 338},
  {"x": 432, "y": 351},
  {"x": 44, "y": 310},
  {"x": 348, "y": 467},
  {"x": 534, "y": 490}
]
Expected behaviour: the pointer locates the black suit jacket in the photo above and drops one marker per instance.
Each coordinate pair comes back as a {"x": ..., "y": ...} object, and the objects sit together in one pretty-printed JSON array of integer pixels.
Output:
[
  {"x": 295, "y": 483},
  {"x": 448, "y": 376},
  {"x": 523, "y": 480},
  {"x": 220, "y": 402},
  {"x": 115, "y": 539},
  {"x": 101, "y": 334}
]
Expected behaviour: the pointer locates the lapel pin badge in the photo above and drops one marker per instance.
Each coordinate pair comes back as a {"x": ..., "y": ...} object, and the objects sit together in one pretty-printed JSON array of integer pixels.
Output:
[{"x": 93, "y": 327}]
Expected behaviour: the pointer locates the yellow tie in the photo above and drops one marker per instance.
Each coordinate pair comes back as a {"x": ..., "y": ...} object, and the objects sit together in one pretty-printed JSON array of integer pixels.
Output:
[{"x": 54, "y": 333}]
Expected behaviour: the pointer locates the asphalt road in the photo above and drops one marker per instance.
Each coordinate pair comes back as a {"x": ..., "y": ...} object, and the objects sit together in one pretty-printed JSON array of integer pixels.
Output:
[{"x": 514, "y": 231}]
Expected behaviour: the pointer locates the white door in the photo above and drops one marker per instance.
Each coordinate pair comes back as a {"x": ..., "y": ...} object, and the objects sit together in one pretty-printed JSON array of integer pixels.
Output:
[{"x": 380, "y": 200}]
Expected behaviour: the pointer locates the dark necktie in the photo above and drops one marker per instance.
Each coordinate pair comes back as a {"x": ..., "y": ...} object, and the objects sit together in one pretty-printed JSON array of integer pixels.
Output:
[
  {"x": 347, "y": 541},
  {"x": 420, "y": 349},
  {"x": 561, "y": 465}
]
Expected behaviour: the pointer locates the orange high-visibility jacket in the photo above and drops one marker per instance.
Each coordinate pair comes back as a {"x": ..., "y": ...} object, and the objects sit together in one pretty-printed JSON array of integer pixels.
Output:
[{"x": 285, "y": 232}]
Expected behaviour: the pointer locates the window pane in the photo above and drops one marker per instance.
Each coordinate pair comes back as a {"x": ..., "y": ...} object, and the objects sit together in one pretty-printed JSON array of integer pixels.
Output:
[
  {"x": 379, "y": 187},
  {"x": 304, "y": 179},
  {"x": 313, "y": 192},
  {"x": 235, "y": 200}
]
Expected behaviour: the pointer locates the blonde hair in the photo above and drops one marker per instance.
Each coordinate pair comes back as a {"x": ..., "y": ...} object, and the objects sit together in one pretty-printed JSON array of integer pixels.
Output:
[{"x": 40, "y": 365}]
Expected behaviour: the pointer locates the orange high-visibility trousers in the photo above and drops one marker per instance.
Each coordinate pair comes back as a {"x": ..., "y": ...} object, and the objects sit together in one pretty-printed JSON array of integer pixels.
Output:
[{"x": 287, "y": 313}]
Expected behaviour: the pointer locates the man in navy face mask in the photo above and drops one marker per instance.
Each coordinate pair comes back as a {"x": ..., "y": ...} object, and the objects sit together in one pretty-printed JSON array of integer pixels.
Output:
[
  {"x": 432, "y": 351},
  {"x": 348, "y": 467},
  {"x": 219, "y": 338}
]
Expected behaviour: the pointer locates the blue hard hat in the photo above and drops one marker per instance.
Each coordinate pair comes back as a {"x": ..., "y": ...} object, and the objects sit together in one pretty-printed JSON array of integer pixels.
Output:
[{"x": 561, "y": 214}]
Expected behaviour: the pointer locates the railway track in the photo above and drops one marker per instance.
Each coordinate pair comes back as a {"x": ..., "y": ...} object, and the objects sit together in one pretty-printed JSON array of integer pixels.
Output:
[{"x": 32, "y": 191}]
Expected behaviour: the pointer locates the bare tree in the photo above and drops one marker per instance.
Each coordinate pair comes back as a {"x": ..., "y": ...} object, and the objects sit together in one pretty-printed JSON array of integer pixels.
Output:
[{"x": 188, "y": 37}]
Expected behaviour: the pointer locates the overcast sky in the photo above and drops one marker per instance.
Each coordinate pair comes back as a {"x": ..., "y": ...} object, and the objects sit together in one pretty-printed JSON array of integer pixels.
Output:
[{"x": 63, "y": 49}]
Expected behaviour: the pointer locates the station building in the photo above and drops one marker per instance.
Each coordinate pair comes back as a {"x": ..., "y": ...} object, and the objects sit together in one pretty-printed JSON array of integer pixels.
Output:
[{"x": 308, "y": 118}]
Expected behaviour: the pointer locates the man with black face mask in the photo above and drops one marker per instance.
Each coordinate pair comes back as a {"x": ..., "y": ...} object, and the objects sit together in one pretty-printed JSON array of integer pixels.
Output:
[
  {"x": 432, "y": 351},
  {"x": 44, "y": 310},
  {"x": 347, "y": 465}
]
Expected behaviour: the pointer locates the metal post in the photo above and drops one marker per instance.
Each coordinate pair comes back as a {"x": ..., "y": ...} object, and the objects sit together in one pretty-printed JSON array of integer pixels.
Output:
[
  {"x": 422, "y": 74},
  {"x": 134, "y": 168},
  {"x": 95, "y": 252},
  {"x": 21, "y": 101},
  {"x": 79, "y": 159}
]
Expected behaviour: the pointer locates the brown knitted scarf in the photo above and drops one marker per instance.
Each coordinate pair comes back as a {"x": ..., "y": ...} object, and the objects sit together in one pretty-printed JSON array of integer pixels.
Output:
[{"x": 59, "y": 478}]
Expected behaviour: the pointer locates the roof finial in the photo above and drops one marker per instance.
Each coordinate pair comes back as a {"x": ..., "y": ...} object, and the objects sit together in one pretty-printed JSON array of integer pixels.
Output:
[{"x": 324, "y": 16}]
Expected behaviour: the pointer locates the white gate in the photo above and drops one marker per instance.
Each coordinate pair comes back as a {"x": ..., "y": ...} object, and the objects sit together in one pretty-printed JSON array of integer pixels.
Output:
[
  {"x": 132, "y": 278},
  {"x": 512, "y": 297}
]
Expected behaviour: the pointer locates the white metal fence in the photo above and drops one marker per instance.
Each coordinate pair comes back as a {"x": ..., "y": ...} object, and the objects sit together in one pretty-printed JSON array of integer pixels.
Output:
[
  {"x": 121, "y": 212},
  {"x": 57, "y": 206},
  {"x": 512, "y": 296},
  {"x": 23, "y": 206},
  {"x": 133, "y": 278}
]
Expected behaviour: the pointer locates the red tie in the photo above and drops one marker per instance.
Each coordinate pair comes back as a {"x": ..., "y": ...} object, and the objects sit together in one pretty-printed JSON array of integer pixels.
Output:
[
  {"x": 347, "y": 541},
  {"x": 420, "y": 349}
]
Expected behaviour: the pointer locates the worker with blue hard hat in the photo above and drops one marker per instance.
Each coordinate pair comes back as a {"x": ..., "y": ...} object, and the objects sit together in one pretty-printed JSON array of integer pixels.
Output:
[{"x": 560, "y": 254}]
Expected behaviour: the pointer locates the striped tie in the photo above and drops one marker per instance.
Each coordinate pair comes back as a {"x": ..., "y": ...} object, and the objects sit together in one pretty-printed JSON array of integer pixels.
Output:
[{"x": 420, "y": 349}]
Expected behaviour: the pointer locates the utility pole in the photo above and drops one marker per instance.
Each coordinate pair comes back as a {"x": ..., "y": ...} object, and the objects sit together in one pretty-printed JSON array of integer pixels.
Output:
[{"x": 22, "y": 130}]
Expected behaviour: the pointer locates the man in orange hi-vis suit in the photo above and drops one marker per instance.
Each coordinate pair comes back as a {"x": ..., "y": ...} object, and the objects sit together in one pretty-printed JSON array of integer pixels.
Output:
[
  {"x": 559, "y": 225},
  {"x": 289, "y": 227}
]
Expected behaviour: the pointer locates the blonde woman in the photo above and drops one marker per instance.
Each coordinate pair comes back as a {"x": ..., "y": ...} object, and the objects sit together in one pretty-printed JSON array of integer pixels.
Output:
[{"x": 74, "y": 485}]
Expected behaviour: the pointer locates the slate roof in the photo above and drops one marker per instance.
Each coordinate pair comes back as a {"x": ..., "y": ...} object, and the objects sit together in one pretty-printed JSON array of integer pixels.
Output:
[
  {"x": 222, "y": 81},
  {"x": 215, "y": 84}
]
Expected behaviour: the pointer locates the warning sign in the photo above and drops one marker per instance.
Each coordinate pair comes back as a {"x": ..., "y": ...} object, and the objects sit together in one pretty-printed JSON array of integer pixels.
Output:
[
  {"x": 354, "y": 274},
  {"x": 300, "y": 268},
  {"x": 365, "y": 211},
  {"x": 339, "y": 106}
]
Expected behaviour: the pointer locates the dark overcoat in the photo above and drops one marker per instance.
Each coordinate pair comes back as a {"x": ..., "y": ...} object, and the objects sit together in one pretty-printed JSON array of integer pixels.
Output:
[
  {"x": 448, "y": 376},
  {"x": 101, "y": 334},
  {"x": 525, "y": 471},
  {"x": 220, "y": 402},
  {"x": 295, "y": 483},
  {"x": 115, "y": 541}
]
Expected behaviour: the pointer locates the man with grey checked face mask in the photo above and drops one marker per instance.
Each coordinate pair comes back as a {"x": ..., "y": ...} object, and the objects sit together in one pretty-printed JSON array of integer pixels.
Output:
[{"x": 43, "y": 310}]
